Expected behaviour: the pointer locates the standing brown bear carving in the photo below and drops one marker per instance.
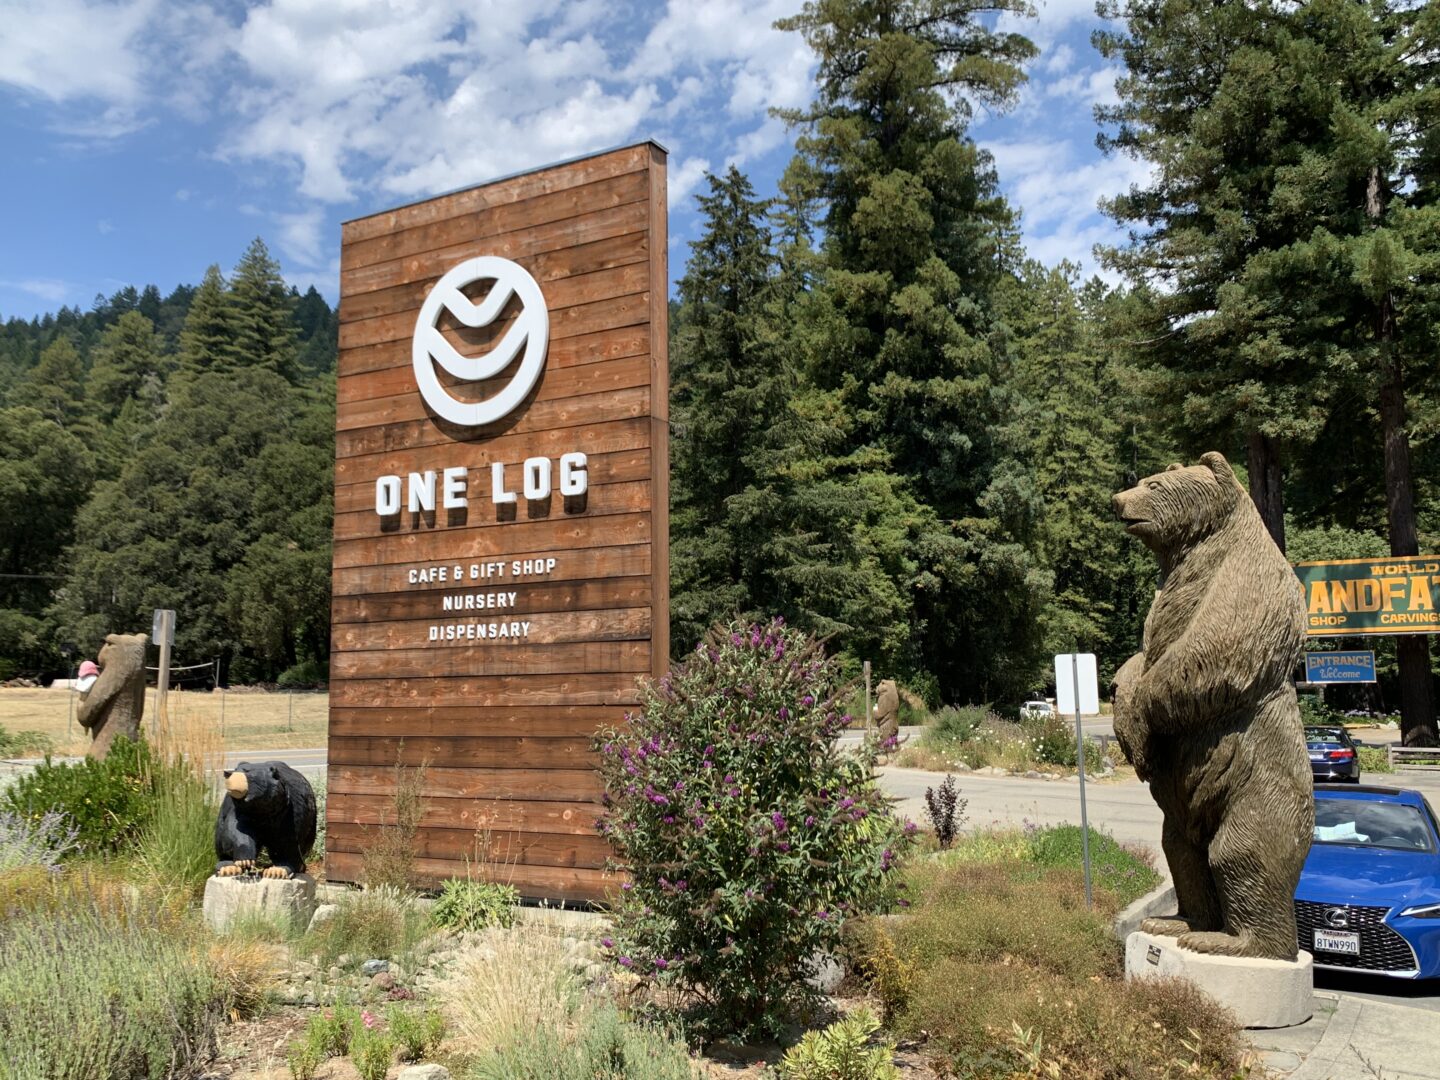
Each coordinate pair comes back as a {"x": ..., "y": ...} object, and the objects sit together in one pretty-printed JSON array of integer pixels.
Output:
[
  {"x": 113, "y": 706},
  {"x": 1207, "y": 712}
]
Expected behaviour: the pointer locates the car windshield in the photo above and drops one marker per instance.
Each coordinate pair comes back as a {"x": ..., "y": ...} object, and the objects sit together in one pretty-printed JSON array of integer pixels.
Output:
[
  {"x": 1371, "y": 824},
  {"x": 1317, "y": 737}
]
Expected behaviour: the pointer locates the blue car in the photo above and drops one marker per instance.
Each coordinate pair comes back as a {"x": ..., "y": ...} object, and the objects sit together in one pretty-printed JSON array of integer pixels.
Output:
[{"x": 1369, "y": 894}]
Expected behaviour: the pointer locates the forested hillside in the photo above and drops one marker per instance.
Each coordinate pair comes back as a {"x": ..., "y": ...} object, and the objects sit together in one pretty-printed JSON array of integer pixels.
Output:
[
  {"x": 171, "y": 452},
  {"x": 889, "y": 425}
]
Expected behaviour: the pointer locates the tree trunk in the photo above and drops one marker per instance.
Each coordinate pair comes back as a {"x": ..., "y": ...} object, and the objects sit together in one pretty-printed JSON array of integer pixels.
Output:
[
  {"x": 1412, "y": 651},
  {"x": 1266, "y": 485},
  {"x": 1417, "y": 689}
]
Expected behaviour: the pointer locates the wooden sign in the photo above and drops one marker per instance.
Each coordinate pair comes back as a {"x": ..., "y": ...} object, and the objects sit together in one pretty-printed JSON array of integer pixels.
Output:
[{"x": 501, "y": 558}]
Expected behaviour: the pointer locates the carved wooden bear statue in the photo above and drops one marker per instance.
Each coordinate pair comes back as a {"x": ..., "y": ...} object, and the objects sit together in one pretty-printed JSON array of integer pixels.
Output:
[
  {"x": 111, "y": 709},
  {"x": 1207, "y": 713},
  {"x": 268, "y": 807}
]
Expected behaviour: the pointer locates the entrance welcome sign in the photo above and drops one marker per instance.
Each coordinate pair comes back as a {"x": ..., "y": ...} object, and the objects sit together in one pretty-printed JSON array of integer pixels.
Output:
[{"x": 501, "y": 485}]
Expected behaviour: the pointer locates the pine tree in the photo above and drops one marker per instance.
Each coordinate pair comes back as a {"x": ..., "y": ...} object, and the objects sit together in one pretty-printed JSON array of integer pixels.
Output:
[
  {"x": 724, "y": 369},
  {"x": 898, "y": 326},
  {"x": 126, "y": 365},
  {"x": 264, "y": 313},
  {"x": 56, "y": 387},
  {"x": 208, "y": 341}
]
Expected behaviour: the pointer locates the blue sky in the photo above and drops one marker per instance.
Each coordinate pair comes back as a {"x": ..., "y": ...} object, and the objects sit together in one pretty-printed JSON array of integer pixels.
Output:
[{"x": 145, "y": 139}]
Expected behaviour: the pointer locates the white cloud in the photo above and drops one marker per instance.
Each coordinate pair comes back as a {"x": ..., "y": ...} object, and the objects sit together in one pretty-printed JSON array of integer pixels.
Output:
[
  {"x": 66, "y": 50},
  {"x": 684, "y": 178},
  {"x": 1093, "y": 87},
  {"x": 1059, "y": 60},
  {"x": 761, "y": 141},
  {"x": 302, "y": 236},
  {"x": 104, "y": 227},
  {"x": 51, "y": 290},
  {"x": 1058, "y": 194}
]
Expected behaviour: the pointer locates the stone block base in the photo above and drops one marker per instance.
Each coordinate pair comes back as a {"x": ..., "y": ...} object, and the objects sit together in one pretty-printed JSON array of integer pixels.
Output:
[
  {"x": 231, "y": 898},
  {"x": 1261, "y": 993}
]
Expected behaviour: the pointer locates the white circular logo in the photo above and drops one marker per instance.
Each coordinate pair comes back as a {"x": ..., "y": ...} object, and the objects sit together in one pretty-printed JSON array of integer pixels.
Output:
[{"x": 531, "y": 329}]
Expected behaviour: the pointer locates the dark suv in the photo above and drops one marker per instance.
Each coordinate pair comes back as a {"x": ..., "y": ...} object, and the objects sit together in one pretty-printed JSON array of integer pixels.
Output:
[{"x": 1333, "y": 756}]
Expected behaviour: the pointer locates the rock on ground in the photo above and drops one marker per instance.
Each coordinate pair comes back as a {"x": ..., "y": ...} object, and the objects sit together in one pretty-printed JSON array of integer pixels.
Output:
[{"x": 231, "y": 898}]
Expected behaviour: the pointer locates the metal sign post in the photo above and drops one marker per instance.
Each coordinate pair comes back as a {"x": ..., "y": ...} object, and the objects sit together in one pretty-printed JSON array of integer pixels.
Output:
[
  {"x": 68, "y": 651},
  {"x": 1077, "y": 689},
  {"x": 162, "y": 632}
]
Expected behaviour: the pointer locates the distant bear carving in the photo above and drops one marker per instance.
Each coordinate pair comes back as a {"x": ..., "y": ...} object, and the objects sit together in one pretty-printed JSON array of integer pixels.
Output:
[
  {"x": 113, "y": 706},
  {"x": 1207, "y": 712},
  {"x": 887, "y": 710},
  {"x": 268, "y": 807}
]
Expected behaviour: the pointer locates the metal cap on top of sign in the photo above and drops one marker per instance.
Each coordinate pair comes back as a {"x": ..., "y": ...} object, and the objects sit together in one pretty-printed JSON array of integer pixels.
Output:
[{"x": 530, "y": 331}]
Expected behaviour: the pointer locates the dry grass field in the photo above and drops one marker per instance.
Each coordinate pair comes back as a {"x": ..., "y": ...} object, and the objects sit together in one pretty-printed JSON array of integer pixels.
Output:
[{"x": 249, "y": 721}]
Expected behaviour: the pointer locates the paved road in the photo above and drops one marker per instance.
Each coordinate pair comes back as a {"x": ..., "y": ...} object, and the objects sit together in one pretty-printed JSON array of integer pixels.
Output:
[
  {"x": 1124, "y": 810},
  {"x": 310, "y": 761}
]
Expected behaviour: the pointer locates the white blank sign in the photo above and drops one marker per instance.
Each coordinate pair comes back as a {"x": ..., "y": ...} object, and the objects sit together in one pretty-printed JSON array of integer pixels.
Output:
[{"x": 1067, "y": 668}]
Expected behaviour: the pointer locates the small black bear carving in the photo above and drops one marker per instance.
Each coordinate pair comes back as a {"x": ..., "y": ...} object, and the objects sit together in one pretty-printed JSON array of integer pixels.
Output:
[{"x": 268, "y": 806}]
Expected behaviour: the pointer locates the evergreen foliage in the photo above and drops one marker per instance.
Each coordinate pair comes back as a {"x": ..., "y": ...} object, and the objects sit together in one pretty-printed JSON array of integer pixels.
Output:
[
  {"x": 1286, "y": 247},
  {"x": 186, "y": 466},
  {"x": 888, "y": 426}
]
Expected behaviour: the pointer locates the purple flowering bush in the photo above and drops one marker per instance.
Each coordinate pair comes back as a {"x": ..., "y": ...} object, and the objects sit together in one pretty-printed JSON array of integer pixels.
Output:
[{"x": 747, "y": 834}]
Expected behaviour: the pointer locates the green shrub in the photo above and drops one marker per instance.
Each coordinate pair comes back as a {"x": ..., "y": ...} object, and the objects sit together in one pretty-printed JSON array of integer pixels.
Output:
[
  {"x": 1374, "y": 759},
  {"x": 86, "y": 994},
  {"x": 1315, "y": 712},
  {"x": 1127, "y": 872},
  {"x": 602, "y": 1045},
  {"x": 956, "y": 725},
  {"x": 24, "y": 743},
  {"x": 177, "y": 845},
  {"x": 1008, "y": 913},
  {"x": 371, "y": 1051},
  {"x": 334, "y": 1029},
  {"x": 841, "y": 1052},
  {"x": 380, "y": 923},
  {"x": 304, "y": 1057},
  {"x": 1053, "y": 740},
  {"x": 389, "y": 851},
  {"x": 748, "y": 834},
  {"x": 417, "y": 1034},
  {"x": 466, "y": 904},
  {"x": 1007, "y": 974},
  {"x": 109, "y": 802},
  {"x": 306, "y": 675}
]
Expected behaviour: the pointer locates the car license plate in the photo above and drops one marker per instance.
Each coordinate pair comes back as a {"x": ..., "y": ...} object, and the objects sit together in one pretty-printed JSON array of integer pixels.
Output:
[
  {"x": 1337, "y": 941},
  {"x": 1317, "y": 757}
]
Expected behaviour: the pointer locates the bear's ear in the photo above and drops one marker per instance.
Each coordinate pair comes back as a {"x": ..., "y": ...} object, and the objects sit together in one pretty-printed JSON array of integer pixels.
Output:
[
  {"x": 1172, "y": 467},
  {"x": 1216, "y": 463},
  {"x": 274, "y": 772}
]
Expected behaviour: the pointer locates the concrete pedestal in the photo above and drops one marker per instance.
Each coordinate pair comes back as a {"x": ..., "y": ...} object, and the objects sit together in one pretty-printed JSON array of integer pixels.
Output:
[
  {"x": 230, "y": 898},
  {"x": 1261, "y": 993}
]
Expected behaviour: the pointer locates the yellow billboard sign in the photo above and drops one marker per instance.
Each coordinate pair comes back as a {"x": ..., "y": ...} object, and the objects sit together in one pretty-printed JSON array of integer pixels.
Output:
[{"x": 1395, "y": 595}]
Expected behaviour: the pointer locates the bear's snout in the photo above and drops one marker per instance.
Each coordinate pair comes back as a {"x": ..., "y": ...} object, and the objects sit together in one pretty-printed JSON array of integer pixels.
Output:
[{"x": 237, "y": 784}]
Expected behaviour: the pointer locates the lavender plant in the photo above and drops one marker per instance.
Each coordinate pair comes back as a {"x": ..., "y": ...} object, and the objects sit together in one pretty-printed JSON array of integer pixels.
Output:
[
  {"x": 42, "y": 841},
  {"x": 747, "y": 835}
]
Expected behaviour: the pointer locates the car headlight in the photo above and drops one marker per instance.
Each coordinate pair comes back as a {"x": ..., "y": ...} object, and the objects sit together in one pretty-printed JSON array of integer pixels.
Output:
[{"x": 1422, "y": 911}]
